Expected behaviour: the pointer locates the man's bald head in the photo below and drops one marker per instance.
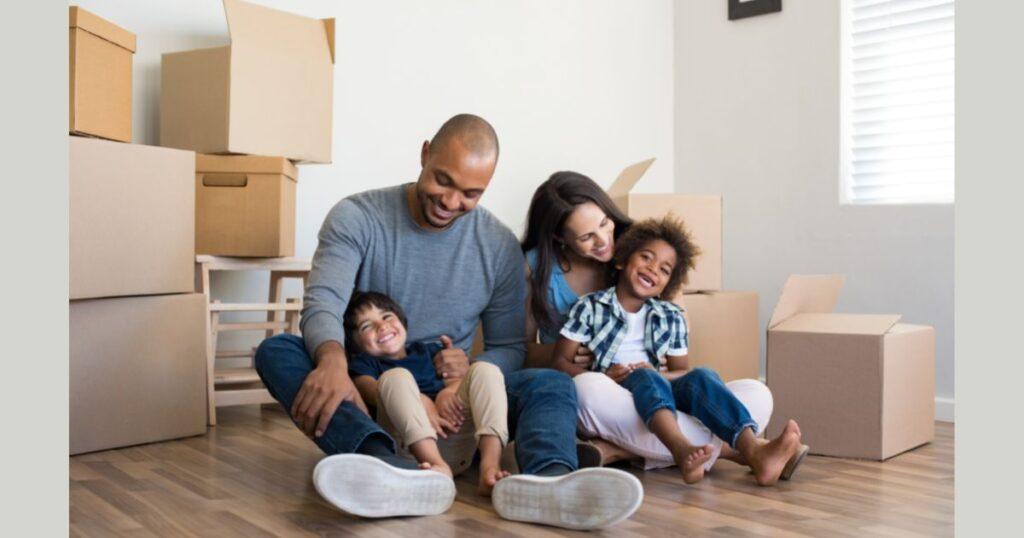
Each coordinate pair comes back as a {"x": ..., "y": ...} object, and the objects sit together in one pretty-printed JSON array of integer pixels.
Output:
[{"x": 471, "y": 132}]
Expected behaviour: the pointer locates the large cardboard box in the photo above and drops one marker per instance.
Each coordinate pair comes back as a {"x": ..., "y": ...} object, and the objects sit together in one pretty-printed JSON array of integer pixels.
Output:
[
  {"x": 132, "y": 219},
  {"x": 99, "y": 76},
  {"x": 137, "y": 370},
  {"x": 702, "y": 215},
  {"x": 267, "y": 93},
  {"x": 724, "y": 333},
  {"x": 860, "y": 385},
  {"x": 245, "y": 206}
]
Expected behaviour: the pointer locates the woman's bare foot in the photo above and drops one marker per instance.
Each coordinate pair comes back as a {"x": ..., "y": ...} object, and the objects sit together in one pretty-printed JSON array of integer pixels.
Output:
[
  {"x": 440, "y": 467},
  {"x": 489, "y": 476},
  {"x": 769, "y": 459},
  {"x": 691, "y": 462}
]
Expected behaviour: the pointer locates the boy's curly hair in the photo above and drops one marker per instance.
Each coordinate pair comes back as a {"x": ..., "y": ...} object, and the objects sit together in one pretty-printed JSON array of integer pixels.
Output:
[
  {"x": 669, "y": 229},
  {"x": 359, "y": 301}
]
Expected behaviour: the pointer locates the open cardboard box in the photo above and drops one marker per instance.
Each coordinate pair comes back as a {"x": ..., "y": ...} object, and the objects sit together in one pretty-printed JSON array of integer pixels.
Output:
[
  {"x": 245, "y": 205},
  {"x": 131, "y": 219},
  {"x": 99, "y": 76},
  {"x": 724, "y": 333},
  {"x": 702, "y": 215},
  {"x": 269, "y": 92},
  {"x": 859, "y": 385}
]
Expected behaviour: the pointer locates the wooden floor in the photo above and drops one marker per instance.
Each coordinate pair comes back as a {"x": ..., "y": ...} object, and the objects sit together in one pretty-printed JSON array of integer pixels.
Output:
[{"x": 250, "y": 476}]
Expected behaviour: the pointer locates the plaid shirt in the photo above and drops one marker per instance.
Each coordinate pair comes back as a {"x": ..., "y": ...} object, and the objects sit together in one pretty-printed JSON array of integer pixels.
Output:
[{"x": 599, "y": 322}]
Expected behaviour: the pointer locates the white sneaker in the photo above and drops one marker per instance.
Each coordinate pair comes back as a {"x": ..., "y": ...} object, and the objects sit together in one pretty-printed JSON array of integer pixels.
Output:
[
  {"x": 586, "y": 499},
  {"x": 366, "y": 486}
]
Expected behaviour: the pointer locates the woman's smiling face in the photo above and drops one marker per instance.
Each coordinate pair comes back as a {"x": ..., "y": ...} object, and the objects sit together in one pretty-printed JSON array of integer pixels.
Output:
[{"x": 590, "y": 233}]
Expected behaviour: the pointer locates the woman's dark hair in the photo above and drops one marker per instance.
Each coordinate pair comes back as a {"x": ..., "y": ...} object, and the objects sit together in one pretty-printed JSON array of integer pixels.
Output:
[
  {"x": 670, "y": 230},
  {"x": 552, "y": 204},
  {"x": 359, "y": 301}
]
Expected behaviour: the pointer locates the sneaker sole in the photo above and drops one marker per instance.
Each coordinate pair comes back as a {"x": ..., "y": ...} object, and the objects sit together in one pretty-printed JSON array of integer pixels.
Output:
[
  {"x": 586, "y": 499},
  {"x": 367, "y": 487}
]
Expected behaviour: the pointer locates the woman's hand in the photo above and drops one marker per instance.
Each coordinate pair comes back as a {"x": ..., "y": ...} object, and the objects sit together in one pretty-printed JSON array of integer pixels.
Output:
[
  {"x": 584, "y": 357},
  {"x": 449, "y": 406},
  {"x": 618, "y": 372},
  {"x": 440, "y": 424}
]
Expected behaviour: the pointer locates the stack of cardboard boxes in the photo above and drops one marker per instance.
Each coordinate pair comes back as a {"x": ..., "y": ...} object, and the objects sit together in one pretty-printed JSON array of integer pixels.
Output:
[
  {"x": 724, "y": 331},
  {"x": 249, "y": 109},
  {"x": 137, "y": 369}
]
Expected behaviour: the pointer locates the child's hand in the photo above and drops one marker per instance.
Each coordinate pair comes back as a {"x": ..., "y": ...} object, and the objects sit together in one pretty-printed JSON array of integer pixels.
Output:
[
  {"x": 440, "y": 424},
  {"x": 450, "y": 408},
  {"x": 638, "y": 365},
  {"x": 618, "y": 372}
]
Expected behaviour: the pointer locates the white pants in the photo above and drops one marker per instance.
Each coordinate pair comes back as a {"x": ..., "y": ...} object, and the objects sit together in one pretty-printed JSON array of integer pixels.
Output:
[{"x": 606, "y": 411}]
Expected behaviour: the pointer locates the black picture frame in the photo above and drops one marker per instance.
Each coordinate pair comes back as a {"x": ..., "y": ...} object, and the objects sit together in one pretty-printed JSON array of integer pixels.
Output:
[{"x": 742, "y": 9}]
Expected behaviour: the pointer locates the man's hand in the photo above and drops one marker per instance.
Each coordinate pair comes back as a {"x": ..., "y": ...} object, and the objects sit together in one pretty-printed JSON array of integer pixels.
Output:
[
  {"x": 451, "y": 362},
  {"x": 440, "y": 424},
  {"x": 322, "y": 392},
  {"x": 584, "y": 357},
  {"x": 618, "y": 372},
  {"x": 449, "y": 406}
]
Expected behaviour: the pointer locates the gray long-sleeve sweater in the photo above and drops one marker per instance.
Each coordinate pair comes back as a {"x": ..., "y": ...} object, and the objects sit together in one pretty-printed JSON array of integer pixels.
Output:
[{"x": 446, "y": 281}]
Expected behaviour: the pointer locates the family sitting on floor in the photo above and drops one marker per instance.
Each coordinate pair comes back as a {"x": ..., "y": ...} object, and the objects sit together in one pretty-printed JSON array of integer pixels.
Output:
[{"x": 584, "y": 361}]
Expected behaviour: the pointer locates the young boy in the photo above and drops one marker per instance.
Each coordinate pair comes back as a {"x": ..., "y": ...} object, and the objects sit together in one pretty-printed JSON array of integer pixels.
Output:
[
  {"x": 412, "y": 401},
  {"x": 640, "y": 340}
]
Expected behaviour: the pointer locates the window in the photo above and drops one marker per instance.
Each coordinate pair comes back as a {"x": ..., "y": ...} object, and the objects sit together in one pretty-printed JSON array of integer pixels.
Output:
[{"x": 897, "y": 102}]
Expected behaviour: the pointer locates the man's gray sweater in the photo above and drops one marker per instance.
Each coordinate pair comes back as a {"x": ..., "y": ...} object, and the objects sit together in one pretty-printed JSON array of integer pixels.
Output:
[{"x": 446, "y": 281}]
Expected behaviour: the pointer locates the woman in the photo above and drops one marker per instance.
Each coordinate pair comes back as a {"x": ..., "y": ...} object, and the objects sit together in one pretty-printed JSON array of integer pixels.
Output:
[{"x": 571, "y": 230}]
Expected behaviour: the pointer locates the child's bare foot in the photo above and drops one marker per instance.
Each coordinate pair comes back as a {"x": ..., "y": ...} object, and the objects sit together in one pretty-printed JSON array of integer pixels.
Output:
[
  {"x": 769, "y": 459},
  {"x": 489, "y": 476},
  {"x": 440, "y": 467},
  {"x": 691, "y": 462}
]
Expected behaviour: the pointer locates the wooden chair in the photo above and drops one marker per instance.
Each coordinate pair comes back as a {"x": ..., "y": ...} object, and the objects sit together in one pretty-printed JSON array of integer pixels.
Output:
[{"x": 241, "y": 386}]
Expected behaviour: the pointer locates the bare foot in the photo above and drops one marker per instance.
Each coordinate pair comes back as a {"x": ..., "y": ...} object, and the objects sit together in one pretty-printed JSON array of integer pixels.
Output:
[
  {"x": 793, "y": 427},
  {"x": 489, "y": 476},
  {"x": 440, "y": 467},
  {"x": 691, "y": 462},
  {"x": 770, "y": 458}
]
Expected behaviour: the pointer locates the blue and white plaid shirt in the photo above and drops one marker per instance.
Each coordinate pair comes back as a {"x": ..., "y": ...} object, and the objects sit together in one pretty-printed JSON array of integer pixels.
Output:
[{"x": 598, "y": 321}]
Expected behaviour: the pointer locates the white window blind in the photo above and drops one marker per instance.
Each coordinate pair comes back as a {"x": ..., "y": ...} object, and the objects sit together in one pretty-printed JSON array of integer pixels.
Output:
[{"x": 897, "y": 102}]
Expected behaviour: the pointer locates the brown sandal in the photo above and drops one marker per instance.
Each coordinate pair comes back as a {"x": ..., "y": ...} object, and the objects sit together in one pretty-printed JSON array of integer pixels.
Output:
[{"x": 794, "y": 462}]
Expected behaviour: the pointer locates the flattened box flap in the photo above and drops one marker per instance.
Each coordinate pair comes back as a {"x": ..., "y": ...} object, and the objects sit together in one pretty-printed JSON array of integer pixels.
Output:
[
  {"x": 629, "y": 177},
  {"x": 245, "y": 164},
  {"x": 266, "y": 31},
  {"x": 859, "y": 324},
  {"x": 807, "y": 294},
  {"x": 100, "y": 27}
]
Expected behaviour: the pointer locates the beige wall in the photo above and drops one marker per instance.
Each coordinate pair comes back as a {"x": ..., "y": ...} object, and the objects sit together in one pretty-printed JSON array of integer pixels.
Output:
[{"x": 756, "y": 119}]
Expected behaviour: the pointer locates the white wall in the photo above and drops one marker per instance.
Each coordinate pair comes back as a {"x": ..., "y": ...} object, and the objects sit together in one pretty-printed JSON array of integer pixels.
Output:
[
  {"x": 583, "y": 85},
  {"x": 757, "y": 111}
]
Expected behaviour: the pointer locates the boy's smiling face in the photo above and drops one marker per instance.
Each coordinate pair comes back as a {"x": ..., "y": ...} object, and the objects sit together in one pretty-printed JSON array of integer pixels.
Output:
[
  {"x": 649, "y": 269},
  {"x": 380, "y": 333}
]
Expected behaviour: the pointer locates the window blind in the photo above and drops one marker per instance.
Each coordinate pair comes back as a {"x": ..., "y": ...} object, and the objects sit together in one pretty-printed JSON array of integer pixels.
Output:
[{"x": 897, "y": 101}]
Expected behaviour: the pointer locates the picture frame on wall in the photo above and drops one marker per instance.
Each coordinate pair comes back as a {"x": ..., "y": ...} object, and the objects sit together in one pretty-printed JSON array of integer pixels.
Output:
[{"x": 741, "y": 9}]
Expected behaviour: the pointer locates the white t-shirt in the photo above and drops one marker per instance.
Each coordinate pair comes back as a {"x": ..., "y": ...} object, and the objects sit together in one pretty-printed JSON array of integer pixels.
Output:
[{"x": 632, "y": 350}]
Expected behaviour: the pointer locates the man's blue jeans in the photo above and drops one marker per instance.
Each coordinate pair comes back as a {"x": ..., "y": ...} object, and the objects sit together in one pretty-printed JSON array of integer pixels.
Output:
[
  {"x": 700, "y": 393},
  {"x": 541, "y": 408}
]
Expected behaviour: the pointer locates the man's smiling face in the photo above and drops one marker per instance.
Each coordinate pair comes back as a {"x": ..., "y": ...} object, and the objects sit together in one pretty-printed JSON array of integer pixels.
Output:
[{"x": 451, "y": 183}]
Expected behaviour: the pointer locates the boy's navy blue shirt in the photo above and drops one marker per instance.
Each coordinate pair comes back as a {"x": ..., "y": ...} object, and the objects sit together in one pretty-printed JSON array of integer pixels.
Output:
[{"x": 419, "y": 360}]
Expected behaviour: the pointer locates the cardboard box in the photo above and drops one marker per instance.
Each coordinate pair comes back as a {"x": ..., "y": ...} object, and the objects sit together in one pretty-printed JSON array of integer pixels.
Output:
[
  {"x": 132, "y": 219},
  {"x": 245, "y": 206},
  {"x": 860, "y": 385},
  {"x": 267, "y": 93},
  {"x": 725, "y": 335},
  {"x": 137, "y": 371},
  {"x": 99, "y": 76},
  {"x": 702, "y": 215}
]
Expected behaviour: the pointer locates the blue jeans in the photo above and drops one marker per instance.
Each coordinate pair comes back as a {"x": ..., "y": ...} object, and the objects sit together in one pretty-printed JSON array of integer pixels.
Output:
[
  {"x": 700, "y": 393},
  {"x": 541, "y": 408}
]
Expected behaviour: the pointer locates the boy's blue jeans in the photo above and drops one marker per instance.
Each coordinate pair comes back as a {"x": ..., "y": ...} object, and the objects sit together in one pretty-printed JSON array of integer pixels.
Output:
[
  {"x": 700, "y": 394},
  {"x": 541, "y": 408}
]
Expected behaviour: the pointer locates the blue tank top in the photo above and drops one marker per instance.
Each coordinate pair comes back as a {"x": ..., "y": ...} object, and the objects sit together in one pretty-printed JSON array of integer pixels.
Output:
[{"x": 560, "y": 297}]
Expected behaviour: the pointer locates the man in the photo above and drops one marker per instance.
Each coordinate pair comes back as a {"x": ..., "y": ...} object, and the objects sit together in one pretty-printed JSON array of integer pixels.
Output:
[{"x": 449, "y": 265}]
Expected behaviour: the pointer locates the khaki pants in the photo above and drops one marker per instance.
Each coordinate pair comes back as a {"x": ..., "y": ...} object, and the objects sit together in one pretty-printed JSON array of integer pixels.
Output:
[{"x": 400, "y": 412}]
